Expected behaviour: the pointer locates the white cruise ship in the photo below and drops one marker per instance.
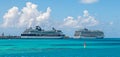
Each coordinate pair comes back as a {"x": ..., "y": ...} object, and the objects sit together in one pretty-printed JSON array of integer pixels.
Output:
[
  {"x": 40, "y": 33},
  {"x": 85, "y": 33}
]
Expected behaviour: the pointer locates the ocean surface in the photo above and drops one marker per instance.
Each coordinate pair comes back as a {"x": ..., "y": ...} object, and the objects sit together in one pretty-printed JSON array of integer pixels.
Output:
[{"x": 108, "y": 47}]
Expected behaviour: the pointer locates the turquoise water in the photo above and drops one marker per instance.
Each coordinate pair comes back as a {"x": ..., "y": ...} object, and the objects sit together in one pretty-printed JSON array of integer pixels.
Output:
[{"x": 109, "y": 47}]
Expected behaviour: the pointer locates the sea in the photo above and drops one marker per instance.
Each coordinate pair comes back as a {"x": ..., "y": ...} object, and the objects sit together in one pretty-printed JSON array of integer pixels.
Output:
[{"x": 107, "y": 47}]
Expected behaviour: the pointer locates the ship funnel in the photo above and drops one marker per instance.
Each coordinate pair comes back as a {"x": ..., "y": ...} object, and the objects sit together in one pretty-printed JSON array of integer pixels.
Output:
[
  {"x": 38, "y": 28},
  {"x": 85, "y": 29},
  {"x": 53, "y": 28}
]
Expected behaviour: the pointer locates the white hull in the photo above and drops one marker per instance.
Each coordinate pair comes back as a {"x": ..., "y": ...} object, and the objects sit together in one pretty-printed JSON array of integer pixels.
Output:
[
  {"x": 83, "y": 37},
  {"x": 41, "y": 37},
  {"x": 77, "y": 37}
]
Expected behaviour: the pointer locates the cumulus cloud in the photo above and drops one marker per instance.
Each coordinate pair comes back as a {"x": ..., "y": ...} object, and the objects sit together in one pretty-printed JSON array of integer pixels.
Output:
[
  {"x": 11, "y": 17},
  {"x": 70, "y": 22},
  {"x": 26, "y": 17},
  {"x": 88, "y": 1},
  {"x": 30, "y": 16},
  {"x": 80, "y": 22}
]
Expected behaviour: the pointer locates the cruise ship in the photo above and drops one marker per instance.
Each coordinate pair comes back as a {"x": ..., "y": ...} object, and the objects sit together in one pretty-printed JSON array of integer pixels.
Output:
[
  {"x": 37, "y": 32},
  {"x": 85, "y": 33}
]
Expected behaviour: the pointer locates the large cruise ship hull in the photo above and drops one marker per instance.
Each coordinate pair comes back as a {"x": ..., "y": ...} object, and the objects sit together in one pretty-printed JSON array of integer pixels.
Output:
[
  {"x": 58, "y": 37},
  {"x": 84, "y": 37},
  {"x": 40, "y": 33}
]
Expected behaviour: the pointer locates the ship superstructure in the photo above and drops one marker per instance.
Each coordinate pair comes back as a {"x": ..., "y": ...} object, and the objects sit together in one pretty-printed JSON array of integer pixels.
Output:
[
  {"x": 85, "y": 33},
  {"x": 40, "y": 33}
]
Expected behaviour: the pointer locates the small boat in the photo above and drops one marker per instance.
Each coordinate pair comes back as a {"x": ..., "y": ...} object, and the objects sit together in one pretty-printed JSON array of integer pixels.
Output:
[{"x": 84, "y": 44}]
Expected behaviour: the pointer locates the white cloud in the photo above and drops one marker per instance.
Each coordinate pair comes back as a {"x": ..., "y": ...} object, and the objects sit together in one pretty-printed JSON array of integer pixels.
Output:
[
  {"x": 28, "y": 16},
  {"x": 70, "y": 22},
  {"x": 111, "y": 23},
  {"x": 88, "y": 1},
  {"x": 11, "y": 17},
  {"x": 82, "y": 21},
  {"x": 86, "y": 14}
]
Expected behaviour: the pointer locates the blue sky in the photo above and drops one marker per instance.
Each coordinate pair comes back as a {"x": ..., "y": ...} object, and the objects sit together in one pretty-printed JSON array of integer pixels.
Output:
[{"x": 104, "y": 13}]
